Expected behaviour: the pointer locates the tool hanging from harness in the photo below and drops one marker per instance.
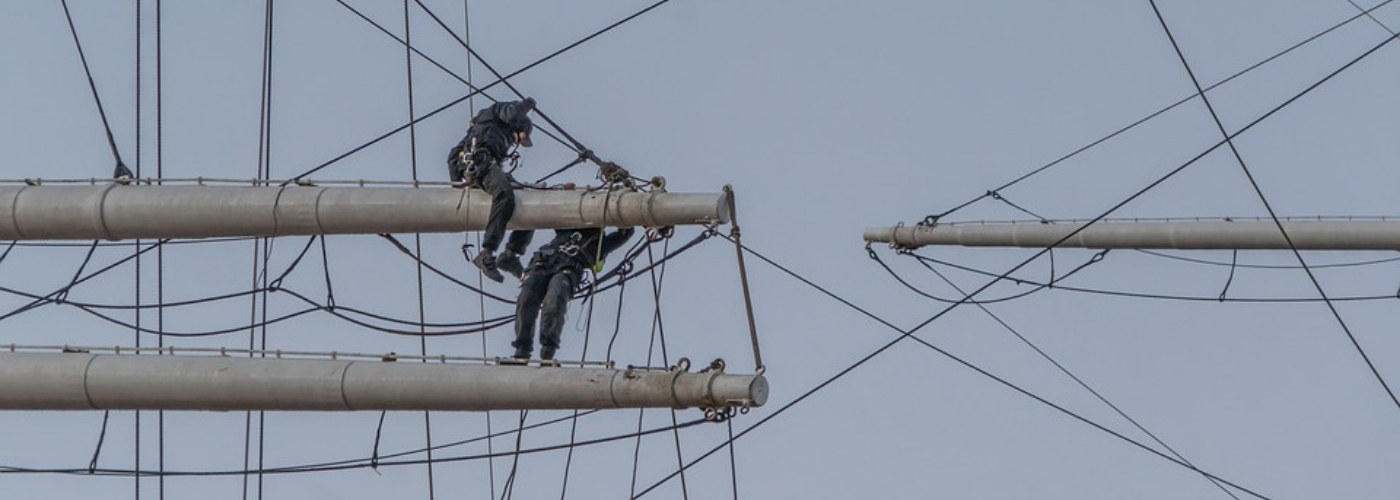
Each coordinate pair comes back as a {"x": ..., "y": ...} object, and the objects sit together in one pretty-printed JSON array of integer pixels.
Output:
[
  {"x": 466, "y": 166},
  {"x": 568, "y": 256}
]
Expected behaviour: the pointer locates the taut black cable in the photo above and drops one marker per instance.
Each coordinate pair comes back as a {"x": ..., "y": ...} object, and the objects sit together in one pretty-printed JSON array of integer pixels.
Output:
[
  {"x": 1162, "y": 111},
  {"x": 1269, "y": 207},
  {"x": 417, "y": 238},
  {"x": 478, "y": 90},
  {"x": 1234, "y": 264},
  {"x": 121, "y": 170},
  {"x": 1373, "y": 18},
  {"x": 434, "y": 62},
  {"x": 910, "y": 335},
  {"x": 1077, "y": 379},
  {"x": 354, "y": 466},
  {"x": 1135, "y": 295}
]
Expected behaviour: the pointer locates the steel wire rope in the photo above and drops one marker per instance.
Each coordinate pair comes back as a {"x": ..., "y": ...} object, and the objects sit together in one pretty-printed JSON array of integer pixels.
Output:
[
  {"x": 88, "y": 306},
  {"x": 1142, "y": 295},
  {"x": 1076, "y": 378},
  {"x": 660, "y": 326},
  {"x": 488, "y": 437},
  {"x": 263, "y": 246},
  {"x": 1359, "y": 263},
  {"x": 60, "y": 295},
  {"x": 434, "y": 62},
  {"x": 479, "y": 90},
  {"x": 508, "y": 490},
  {"x": 572, "y": 144},
  {"x": 105, "y": 244},
  {"x": 101, "y": 438},
  {"x": 160, "y": 252},
  {"x": 480, "y": 276},
  {"x": 1038, "y": 287},
  {"x": 665, "y": 360},
  {"x": 368, "y": 462},
  {"x": 903, "y": 335},
  {"x": 909, "y": 333},
  {"x": 137, "y": 312},
  {"x": 1157, "y": 113},
  {"x": 573, "y": 427},
  {"x": 480, "y": 290},
  {"x": 611, "y": 274},
  {"x": 1170, "y": 174},
  {"x": 1269, "y": 207},
  {"x": 733, "y": 467},
  {"x": 576, "y": 145},
  {"x": 1373, "y": 18},
  {"x": 587, "y": 336},
  {"x": 345, "y": 467},
  {"x": 92, "y": 85},
  {"x": 417, "y": 238}
]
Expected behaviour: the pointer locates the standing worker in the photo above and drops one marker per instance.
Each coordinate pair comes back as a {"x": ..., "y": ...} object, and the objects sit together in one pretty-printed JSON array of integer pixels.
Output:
[
  {"x": 550, "y": 282},
  {"x": 477, "y": 161}
]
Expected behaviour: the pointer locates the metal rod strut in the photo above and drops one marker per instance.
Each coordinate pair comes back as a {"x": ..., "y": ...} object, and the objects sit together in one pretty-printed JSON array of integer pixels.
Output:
[
  {"x": 1223, "y": 235},
  {"x": 84, "y": 381},
  {"x": 116, "y": 212}
]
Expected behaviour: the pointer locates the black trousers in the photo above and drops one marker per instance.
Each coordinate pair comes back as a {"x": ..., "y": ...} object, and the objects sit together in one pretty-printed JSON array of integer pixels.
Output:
[
  {"x": 544, "y": 293},
  {"x": 488, "y": 176}
]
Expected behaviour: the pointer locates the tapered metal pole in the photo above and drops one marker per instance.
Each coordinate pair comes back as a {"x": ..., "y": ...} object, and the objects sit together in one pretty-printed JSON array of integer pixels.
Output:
[
  {"x": 1192, "y": 235},
  {"x": 81, "y": 381},
  {"x": 115, "y": 212}
]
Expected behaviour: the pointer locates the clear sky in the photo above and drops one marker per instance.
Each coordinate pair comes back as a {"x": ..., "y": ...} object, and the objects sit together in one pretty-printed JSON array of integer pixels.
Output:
[{"x": 827, "y": 117}]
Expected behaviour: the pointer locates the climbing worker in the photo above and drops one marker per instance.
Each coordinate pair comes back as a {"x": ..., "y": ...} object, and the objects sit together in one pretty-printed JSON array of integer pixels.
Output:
[
  {"x": 550, "y": 282},
  {"x": 476, "y": 161}
]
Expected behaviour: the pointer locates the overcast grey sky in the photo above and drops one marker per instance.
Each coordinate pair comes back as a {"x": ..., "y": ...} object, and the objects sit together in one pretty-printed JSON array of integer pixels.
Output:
[{"x": 827, "y": 117}]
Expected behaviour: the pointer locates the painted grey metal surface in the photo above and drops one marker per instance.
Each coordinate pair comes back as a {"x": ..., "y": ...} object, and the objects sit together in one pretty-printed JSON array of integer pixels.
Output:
[
  {"x": 116, "y": 212},
  {"x": 81, "y": 381},
  {"x": 1206, "y": 235}
]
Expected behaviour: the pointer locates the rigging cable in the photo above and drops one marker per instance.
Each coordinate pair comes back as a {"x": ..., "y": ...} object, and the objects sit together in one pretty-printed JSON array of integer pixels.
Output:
[
  {"x": 474, "y": 93},
  {"x": 417, "y": 238},
  {"x": 1133, "y": 295},
  {"x": 1160, "y": 112},
  {"x": 660, "y": 326},
  {"x": 440, "y": 66},
  {"x": 352, "y": 466},
  {"x": 903, "y": 335},
  {"x": 121, "y": 170},
  {"x": 264, "y": 165},
  {"x": 573, "y": 144},
  {"x": 909, "y": 333},
  {"x": 137, "y": 313},
  {"x": 1373, "y": 18},
  {"x": 1074, "y": 377},
  {"x": 1269, "y": 207},
  {"x": 1234, "y": 264},
  {"x": 480, "y": 277},
  {"x": 160, "y": 252}
]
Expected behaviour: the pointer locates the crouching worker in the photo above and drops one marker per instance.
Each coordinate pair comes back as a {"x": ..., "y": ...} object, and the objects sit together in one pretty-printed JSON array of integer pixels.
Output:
[
  {"x": 549, "y": 283},
  {"x": 478, "y": 159}
]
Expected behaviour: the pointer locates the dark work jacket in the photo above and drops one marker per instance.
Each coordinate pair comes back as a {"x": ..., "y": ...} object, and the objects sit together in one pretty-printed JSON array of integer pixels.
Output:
[
  {"x": 584, "y": 242},
  {"x": 494, "y": 130}
]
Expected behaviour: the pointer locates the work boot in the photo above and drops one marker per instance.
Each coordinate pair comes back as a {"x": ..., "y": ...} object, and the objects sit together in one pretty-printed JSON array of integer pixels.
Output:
[
  {"x": 521, "y": 358},
  {"x": 547, "y": 358},
  {"x": 510, "y": 262},
  {"x": 486, "y": 262}
]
